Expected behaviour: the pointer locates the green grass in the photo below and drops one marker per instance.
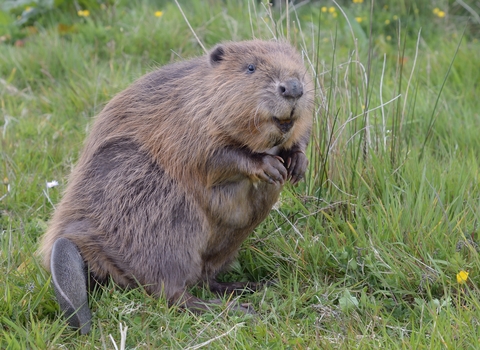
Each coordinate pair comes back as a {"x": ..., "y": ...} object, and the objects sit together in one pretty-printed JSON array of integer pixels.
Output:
[{"x": 365, "y": 251}]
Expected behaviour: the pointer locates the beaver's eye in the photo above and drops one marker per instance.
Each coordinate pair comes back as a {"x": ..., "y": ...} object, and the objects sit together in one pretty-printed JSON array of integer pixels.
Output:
[{"x": 251, "y": 68}]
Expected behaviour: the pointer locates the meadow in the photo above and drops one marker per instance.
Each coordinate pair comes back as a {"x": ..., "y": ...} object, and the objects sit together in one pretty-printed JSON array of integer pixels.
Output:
[{"x": 377, "y": 248}]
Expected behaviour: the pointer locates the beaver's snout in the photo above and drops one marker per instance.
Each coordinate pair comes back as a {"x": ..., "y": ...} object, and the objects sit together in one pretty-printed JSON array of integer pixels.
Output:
[{"x": 291, "y": 88}]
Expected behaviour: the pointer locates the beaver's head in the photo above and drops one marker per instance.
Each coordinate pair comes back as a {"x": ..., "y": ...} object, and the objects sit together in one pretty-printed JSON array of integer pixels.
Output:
[{"x": 262, "y": 92}]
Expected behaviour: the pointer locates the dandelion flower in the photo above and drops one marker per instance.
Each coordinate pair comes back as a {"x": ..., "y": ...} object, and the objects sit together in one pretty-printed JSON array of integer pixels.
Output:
[
  {"x": 331, "y": 9},
  {"x": 324, "y": 9},
  {"x": 358, "y": 19},
  {"x": 158, "y": 13},
  {"x": 357, "y": 1},
  {"x": 436, "y": 10},
  {"x": 395, "y": 17},
  {"x": 441, "y": 14},
  {"x": 462, "y": 277},
  {"x": 83, "y": 13},
  {"x": 387, "y": 21}
]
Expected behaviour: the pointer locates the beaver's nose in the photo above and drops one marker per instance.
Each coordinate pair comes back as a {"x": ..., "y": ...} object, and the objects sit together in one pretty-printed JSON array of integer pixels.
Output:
[{"x": 291, "y": 88}]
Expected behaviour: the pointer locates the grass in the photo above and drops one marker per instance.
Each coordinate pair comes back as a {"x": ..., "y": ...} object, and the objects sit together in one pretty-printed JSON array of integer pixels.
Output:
[{"x": 365, "y": 251}]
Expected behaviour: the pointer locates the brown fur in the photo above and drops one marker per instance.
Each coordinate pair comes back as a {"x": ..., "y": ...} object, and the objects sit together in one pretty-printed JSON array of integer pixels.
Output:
[{"x": 181, "y": 167}]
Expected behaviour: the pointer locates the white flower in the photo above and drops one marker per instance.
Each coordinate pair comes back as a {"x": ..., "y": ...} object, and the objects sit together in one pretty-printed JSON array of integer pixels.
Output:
[{"x": 51, "y": 184}]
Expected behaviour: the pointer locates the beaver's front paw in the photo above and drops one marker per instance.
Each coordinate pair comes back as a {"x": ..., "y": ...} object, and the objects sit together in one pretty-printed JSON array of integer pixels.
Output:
[
  {"x": 270, "y": 169},
  {"x": 296, "y": 163}
]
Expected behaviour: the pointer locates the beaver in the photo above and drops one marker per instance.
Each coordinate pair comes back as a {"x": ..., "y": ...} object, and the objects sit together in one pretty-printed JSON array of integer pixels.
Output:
[{"x": 177, "y": 171}]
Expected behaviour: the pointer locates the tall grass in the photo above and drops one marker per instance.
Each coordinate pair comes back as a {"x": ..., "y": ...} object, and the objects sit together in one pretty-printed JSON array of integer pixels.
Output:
[{"x": 365, "y": 252}]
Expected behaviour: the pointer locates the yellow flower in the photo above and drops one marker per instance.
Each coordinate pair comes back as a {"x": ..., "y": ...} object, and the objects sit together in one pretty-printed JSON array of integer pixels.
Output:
[
  {"x": 324, "y": 9},
  {"x": 334, "y": 15},
  {"x": 84, "y": 13},
  {"x": 387, "y": 21},
  {"x": 158, "y": 13},
  {"x": 439, "y": 12},
  {"x": 395, "y": 17},
  {"x": 462, "y": 277},
  {"x": 358, "y": 19},
  {"x": 331, "y": 9},
  {"x": 389, "y": 37},
  {"x": 357, "y": 1}
]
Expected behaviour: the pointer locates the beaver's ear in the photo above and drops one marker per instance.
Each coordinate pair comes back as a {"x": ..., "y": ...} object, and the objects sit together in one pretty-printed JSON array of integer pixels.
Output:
[{"x": 216, "y": 55}]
